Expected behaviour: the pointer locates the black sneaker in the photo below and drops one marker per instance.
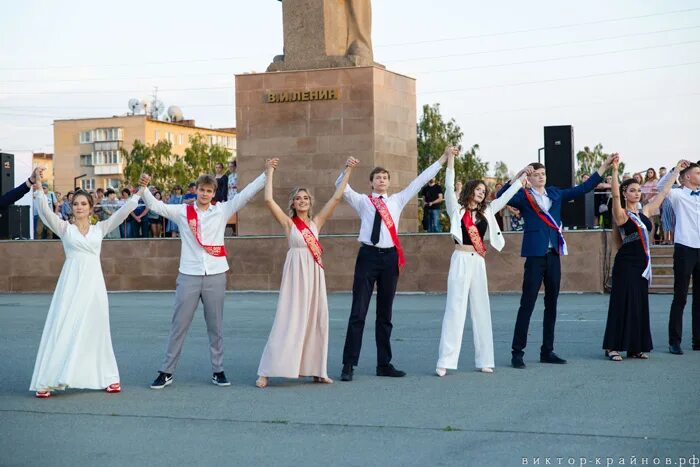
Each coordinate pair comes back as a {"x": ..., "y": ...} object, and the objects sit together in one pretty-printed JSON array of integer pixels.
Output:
[
  {"x": 220, "y": 379},
  {"x": 162, "y": 380},
  {"x": 390, "y": 371}
]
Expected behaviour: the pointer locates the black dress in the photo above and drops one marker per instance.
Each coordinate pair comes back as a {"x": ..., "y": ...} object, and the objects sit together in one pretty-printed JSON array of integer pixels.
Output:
[{"x": 628, "y": 327}]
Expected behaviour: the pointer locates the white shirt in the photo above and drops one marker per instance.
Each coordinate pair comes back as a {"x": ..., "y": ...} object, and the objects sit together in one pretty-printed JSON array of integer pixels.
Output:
[
  {"x": 687, "y": 210},
  {"x": 395, "y": 203},
  {"x": 542, "y": 199},
  {"x": 194, "y": 260}
]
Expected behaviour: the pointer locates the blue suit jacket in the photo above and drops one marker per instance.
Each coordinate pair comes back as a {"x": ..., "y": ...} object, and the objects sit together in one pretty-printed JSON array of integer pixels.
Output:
[
  {"x": 13, "y": 195},
  {"x": 537, "y": 235}
]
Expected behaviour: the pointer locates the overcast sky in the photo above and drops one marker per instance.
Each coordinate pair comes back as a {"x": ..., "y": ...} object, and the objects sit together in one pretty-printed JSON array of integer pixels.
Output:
[{"x": 625, "y": 74}]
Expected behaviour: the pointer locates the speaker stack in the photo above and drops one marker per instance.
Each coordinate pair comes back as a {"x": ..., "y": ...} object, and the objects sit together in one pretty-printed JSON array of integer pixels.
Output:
[
  {"x": 14, "y": 220},
  {"x": 561, "y": 173}
]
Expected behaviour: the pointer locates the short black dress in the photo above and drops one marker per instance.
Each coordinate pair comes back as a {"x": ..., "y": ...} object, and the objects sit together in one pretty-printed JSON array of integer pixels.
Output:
[{"x": 628, "y": 328}]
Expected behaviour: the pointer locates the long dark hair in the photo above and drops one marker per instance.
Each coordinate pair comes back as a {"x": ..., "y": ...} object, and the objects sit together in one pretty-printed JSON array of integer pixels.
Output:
[{"x": 467, "y": 195}]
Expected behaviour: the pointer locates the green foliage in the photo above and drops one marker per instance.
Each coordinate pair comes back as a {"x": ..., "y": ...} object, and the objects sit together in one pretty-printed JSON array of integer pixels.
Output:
[
  {"x": 168, "y": 169},
  {"x": 500, "y": 172},
  {"x": 434, "y": 135},
  {"x": 589, "y": 160}
]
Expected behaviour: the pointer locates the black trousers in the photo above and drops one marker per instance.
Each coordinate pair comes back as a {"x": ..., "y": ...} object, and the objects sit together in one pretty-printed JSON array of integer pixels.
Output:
[
  {"x": 380, "y": 266},
  {"x": 686, "y": 263},
  {"x": 537, "y": 269}
]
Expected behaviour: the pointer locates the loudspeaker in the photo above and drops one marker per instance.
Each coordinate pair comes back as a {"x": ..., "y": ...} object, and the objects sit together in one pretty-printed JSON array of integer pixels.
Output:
[
  {"x": 578, "y": 213},
  {"x": 7, "y": 172},
  {"x": 14, "y": 223},
  {"x": 559, "y": 155}
]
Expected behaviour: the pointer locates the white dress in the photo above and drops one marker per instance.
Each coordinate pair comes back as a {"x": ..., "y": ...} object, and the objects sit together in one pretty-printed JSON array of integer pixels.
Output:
[{"x": 76, "y": 345}]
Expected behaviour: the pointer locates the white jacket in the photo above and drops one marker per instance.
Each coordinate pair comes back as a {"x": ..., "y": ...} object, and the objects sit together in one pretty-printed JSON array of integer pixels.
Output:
[{"x": 455, "y": 211}]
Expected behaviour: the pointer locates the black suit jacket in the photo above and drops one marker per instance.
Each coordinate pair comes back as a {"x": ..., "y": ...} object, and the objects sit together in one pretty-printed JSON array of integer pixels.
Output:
[
  {"x": 13, "y": 195},
  {"x": 222, "y": 188}
]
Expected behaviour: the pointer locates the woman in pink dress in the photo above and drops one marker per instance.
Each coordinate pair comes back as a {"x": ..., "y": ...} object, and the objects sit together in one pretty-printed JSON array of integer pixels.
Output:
[{"x": 298, "y": 342}]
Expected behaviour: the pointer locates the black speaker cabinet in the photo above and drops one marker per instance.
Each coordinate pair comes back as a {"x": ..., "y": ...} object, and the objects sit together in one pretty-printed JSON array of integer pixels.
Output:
[
  {"x": 7, "y": 172},
  {"x": 578, "y": 213},
  {"x": 559, "y": 155},
  {"x": 14, "y": 222}
]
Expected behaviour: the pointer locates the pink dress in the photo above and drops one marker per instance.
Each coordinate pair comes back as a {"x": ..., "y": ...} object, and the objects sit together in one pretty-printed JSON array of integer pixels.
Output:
[{"x": 298, "y": 342}]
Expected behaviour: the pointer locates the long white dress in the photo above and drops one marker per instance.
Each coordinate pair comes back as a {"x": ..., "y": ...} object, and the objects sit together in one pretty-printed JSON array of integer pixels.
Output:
[{"x": 76, "y": 345}]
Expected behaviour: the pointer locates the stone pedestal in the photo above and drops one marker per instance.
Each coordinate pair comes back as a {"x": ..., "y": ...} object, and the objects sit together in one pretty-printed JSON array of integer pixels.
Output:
[{"x": 313, "y": 121}]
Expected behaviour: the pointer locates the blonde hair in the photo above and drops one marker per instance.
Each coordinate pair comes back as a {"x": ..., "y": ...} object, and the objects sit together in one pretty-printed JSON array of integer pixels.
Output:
[{"x": 292, "y": 194}]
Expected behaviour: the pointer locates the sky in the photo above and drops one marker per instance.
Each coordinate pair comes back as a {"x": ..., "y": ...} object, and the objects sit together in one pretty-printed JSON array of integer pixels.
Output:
[{"x": 625, "y": 74}]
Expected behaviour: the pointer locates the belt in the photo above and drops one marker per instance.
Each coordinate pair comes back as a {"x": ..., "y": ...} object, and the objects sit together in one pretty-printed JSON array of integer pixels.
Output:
[{"x": 379, "y": 250}]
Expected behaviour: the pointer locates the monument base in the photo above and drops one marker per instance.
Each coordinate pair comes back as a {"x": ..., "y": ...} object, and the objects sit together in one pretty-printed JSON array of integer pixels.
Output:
[{"x": 313, "y": 120}]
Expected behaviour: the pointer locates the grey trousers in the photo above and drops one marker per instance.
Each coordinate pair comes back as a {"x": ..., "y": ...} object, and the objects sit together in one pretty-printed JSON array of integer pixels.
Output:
[{"x": 188, "y": 291}]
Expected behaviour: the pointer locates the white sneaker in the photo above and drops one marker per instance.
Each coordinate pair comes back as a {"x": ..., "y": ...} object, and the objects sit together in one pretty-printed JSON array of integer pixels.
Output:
[
  {"x": 486, "y": 370},
  {"x": 440, "y": 372}
]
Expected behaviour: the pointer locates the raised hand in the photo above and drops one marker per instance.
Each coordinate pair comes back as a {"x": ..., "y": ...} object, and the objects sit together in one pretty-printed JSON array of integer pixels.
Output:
[
  {"x": 144, "y": 180},
  {"x": 351, "y": 163},
  {"x": 683, "y": 164},
  {"x": 526, "y": 171},
  {"x": 271, "y": 164},
  {"x": 615, "y": 162}
]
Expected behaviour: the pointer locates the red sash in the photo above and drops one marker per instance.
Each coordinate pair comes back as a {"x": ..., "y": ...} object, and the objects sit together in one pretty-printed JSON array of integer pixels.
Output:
[
  {"x": 383, "y": 211},
  {"x": 473, "y": 232},
  {"x": 311, "y": 241},
  {"x": 193, "y": 223},
  {"x": 549, "y": 221}
]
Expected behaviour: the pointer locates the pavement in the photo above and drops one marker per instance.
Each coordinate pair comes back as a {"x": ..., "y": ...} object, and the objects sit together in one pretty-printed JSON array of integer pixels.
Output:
[{"x": 589, "y": 410}]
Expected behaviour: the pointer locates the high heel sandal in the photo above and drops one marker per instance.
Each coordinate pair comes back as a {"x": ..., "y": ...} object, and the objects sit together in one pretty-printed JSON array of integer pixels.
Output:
[
  {"x": 261, "y": 382},
  {"x": 43, "y": 394},
  {"x": 318, "y": 379},
  {"x": 613, "y": 355},
  {"x": 114, "y": 388},
  {"x": 639, "y": 355}
]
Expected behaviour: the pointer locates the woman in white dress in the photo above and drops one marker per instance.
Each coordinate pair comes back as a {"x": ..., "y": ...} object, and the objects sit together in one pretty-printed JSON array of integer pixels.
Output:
[
  {"x": 76, "y": 345},
  {"x": 472, "y": 223}
]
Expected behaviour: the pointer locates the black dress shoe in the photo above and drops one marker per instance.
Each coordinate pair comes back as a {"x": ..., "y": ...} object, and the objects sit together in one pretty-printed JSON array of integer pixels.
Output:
[
  {"x": 517, "y": 362},
  {"x": 675, "y": 349},
  {"x": 346, "y": 374},
  {"x": 552, "y": 358},
  {"x": 696, "y": 346},
  {"x": 389, "y": 370}
]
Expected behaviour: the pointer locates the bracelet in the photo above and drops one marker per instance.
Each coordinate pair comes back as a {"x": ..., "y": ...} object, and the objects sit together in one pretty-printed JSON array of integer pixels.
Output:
[{"x": 30, "y": 181}]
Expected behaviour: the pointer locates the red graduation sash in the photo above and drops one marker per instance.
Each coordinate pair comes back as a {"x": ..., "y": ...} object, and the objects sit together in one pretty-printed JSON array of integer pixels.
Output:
[
  {"x": 193, "y": 223},
  {"x": 383, "y": 211},
  {"x": 311, "y": 241},
  {"x": 473, "y": 233},
  {"x": 548, "y": 220}
]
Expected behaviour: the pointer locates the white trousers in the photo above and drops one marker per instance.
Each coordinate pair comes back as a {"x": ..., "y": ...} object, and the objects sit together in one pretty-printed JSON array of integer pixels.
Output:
[{"x": 466, "y": 285}]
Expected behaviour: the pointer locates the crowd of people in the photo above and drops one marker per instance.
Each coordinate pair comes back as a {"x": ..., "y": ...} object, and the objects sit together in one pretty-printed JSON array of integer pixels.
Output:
[
  {"x": 76, "y": 349},
  {"x": 142, "y": 222}
]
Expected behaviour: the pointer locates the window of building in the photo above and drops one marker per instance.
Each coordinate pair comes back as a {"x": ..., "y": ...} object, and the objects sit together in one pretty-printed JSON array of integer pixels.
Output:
[
  {"x": 180, "y": 139},
  {"x": 113, "y": 183},
  {"x": 169, "y": 136},
  {"x": 157, "y": 136},
  {"x": 86, "y": 137},
  {"x": 86, "y": 160},
  {"x": 88, "y": 183}
]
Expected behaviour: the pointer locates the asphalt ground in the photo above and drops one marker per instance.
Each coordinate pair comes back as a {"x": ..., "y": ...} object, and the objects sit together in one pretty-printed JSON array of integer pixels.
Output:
[{"x": 589, "y": 410}]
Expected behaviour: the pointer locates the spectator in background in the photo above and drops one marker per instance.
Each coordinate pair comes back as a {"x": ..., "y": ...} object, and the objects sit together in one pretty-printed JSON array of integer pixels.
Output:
[
  {"x": 601, "y": 208},
  {"x": 109, "y": 205},
  {"x": 221, "y": 183},
  {"x": 638, "y": 178},
  {"x": 155, "y": 219},
  {"x": 191, "y": 195},
  {"x": 232, "y": 190},
  {"x": 40, "y": 230},
  {"x": 626, "y": 176},
  {"x": 125, "y": 228},
  {"x": 66, "y": 211},
  {"x": 458, "y": 188},
  {"x": 139, "y": 221},
  {"x": 433, "y": 197},
  {"x": 662, "y": 171},
  {"x": 171, "y": 228}
]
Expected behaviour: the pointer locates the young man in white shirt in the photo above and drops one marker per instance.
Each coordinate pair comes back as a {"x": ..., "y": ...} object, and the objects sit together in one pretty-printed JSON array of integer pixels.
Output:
[
  {"x": 202, "y": 269},
  {"x": 686, "y": 253},
  {"x": 378, "y": 261}
]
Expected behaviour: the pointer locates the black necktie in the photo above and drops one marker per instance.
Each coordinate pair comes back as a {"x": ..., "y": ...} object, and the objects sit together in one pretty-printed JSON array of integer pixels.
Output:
[{"x": 374, "y": 238}]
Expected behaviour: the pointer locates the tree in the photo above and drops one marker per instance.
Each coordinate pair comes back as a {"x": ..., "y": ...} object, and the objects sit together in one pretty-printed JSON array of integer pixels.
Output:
[
  {"x": 500, "y": 172},
  {"x": 434, "y": 135},
  {"x": 588, "y": 161},
  {"x": 170, "y": 169}
]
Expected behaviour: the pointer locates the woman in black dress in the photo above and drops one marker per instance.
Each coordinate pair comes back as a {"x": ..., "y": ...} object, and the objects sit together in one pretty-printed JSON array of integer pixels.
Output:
[{"x": 627, "y": 327}]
